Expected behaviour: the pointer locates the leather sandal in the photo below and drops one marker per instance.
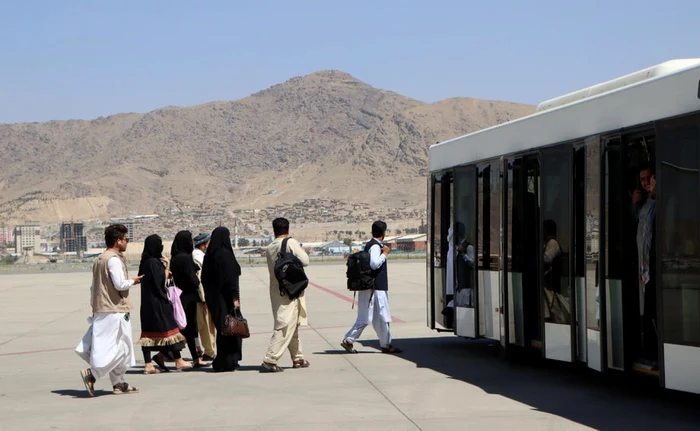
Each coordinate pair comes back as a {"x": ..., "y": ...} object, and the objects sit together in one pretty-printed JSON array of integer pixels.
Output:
[
  {"x": 270, "y": 368},
  {"x": 189, "y": 366},
  {"x": 158, "y": 359},
  {"x": 301, "y": 363},
  {"x": 89, "y": 381},
  {"x": 348, "y": 347},
  {"x": 150, "y": 370},
  {"x": 124, "y": 388},
  {"x": 391, "y": 349}
]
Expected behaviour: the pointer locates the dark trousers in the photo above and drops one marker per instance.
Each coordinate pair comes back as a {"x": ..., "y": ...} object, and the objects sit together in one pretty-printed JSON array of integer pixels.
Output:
[
  {"x": 191, "y": 330},
  {"x": 650, "y": 340},
  {"x": 168, "y": 349}
]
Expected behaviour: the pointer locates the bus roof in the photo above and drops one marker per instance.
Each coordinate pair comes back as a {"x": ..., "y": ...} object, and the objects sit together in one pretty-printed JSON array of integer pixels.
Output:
[{"x": 661, "y": 91}]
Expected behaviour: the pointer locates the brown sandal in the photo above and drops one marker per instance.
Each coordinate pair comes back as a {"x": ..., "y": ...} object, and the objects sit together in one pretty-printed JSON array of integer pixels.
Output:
[
  {"x": 301, "y": 363},
  {"x": 270, "y": 368},
  {"x": 348, "y": 347},
  {"x": 124, "y": 388},
  {"x": 189, "y": 366},
  {"x": 158, "y": 359},
  {"x": 89, "y": 381},
  {"x": 150, "y": 370}
]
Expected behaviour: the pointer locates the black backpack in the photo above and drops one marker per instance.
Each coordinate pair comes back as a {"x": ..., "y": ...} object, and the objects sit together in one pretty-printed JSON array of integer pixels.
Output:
[
  {"x": 359, "y": 273},
  {"x": 290, "y": 273}
]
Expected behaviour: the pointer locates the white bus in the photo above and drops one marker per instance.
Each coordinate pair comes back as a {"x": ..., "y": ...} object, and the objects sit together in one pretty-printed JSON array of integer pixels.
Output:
[{"x": 574, "y": 233}]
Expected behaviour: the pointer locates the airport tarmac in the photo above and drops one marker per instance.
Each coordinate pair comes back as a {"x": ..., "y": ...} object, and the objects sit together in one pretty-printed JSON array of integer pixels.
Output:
[{"x": 439, "y": 382}]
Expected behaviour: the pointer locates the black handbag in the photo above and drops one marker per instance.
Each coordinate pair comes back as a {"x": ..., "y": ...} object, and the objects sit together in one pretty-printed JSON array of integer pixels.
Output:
[{"x": 235, "y": 325}]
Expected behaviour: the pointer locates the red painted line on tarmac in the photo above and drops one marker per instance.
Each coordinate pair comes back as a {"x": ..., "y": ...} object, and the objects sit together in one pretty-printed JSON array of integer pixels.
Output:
[
  {"x": 347, "y": 299},
  {"x": 36, "y": 351},
  {"x": 303, "y": 328}
]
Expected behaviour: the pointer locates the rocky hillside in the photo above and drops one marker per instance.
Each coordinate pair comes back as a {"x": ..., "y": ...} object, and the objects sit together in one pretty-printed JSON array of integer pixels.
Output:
[{"x": 315, "y": 136}]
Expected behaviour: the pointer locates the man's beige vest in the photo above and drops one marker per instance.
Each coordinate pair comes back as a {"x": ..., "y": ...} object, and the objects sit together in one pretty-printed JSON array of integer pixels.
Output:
[{"x": 105, "y": 298}]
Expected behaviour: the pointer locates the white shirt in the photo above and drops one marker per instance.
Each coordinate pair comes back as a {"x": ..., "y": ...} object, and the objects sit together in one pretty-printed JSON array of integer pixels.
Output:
[
  {"x": 198, "y": 255},
  {"x": 468, "y": 256},
  {"x": 376, "y": 257},
  {"x": 551, "y": 250},
  {"x": 116, "y": 273}
]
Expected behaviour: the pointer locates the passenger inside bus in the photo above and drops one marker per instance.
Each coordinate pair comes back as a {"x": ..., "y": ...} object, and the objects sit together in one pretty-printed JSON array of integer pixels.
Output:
[
  {"x": 644, "y": 201},
  {"x": 557, "y": 308},
  {"x": 448, "y": 311},
  {"x": 460, "y": 264},
  {"x": 463, "y": 265}
]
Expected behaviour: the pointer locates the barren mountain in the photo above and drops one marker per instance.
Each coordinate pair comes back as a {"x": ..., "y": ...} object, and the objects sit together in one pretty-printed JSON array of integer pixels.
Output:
[{"x": 323, "y": 135}]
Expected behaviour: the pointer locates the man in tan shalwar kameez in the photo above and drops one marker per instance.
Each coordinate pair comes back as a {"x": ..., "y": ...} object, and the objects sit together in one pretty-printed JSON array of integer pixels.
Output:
[{"x": 288, "y": 314}]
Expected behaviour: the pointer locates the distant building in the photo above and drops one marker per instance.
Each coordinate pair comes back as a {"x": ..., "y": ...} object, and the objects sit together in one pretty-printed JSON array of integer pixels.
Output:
[
  {"x": 6, "y": 235},
  {"x": 27, "y": 237},
  {"x": 417, "y": 242},
  {"x": 129, "y": 223},
  {"x": 72, "y": 238}
]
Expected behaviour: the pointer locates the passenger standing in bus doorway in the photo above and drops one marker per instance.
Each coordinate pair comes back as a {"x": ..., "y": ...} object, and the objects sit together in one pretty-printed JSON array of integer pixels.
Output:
[
  {"x": 557, "y": 309},
  {"x": 464, "y": 268},
  {"x": 373, "y": 304},
  {"x": 645, "y": 207}
]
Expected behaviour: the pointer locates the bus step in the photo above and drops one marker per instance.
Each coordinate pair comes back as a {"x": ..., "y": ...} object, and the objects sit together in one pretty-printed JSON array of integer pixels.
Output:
[{"x": 645, "y": 368}]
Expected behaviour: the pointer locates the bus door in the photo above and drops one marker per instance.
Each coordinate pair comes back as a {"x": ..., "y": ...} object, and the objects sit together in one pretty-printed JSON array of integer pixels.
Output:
[
  {"x": 488, "y": 250},
  {"x": 502, "y": 255},
  {"x": 521, "y": 248},
  {"x": 558, "y": 252},
  {"x": 441, "y": 197},
  {"x": 614, "y": 211},
  {"x": 678, "y": 245},
  {"x": 594, "y": 304},
  {"x": 462, "y": 255},
  {"x": 579, "y": 253}
]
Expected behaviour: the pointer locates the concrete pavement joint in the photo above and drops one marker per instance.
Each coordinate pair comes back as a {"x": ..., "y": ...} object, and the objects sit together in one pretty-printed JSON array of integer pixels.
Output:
[
  {"x": 39, "y": 327},
  {"x": 369, "y": 381}
]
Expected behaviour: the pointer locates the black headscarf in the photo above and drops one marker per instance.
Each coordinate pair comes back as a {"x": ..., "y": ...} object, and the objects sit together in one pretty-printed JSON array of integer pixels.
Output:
[
  {"x": 220, "y": 242},
  {"x": 152, "y": 249},
  {"x": 182, "y": 243}
]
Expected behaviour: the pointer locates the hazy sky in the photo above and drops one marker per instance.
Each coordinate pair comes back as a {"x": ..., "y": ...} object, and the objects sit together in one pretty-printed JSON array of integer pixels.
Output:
[{"x": 84, "y": 59}]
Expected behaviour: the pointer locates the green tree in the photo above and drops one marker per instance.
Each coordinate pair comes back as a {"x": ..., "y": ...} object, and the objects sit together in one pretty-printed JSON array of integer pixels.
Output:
[{"x": 9, "y": 259}]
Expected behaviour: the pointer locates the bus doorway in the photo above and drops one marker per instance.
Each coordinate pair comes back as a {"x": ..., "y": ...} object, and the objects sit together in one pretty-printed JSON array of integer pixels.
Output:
[
  {"x": 631, "y": 330},
  {"x": 439, "y": 293},
  {"x": 522, "y": 248}
]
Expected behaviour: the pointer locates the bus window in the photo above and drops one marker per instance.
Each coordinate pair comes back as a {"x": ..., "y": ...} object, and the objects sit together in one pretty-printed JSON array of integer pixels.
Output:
[
  {"x": 464, "y": 238},
  {"x": 556, "y": 229},
  {"x": 679, "y": 230}
]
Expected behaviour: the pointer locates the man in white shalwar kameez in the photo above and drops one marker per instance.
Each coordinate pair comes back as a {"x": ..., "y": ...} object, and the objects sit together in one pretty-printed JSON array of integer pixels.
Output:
[
  {"x": 373, "y": 304},
  {"x": 288, "y": 314},
  {"x": 107, "y": 345}
]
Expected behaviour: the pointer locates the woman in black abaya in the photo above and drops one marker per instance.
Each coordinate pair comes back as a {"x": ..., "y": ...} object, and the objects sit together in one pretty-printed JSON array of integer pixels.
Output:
[
  {"x": 185, "y": 277},
  {"x": 220, "y": 273},
  {"x": 159, "y": 331}
]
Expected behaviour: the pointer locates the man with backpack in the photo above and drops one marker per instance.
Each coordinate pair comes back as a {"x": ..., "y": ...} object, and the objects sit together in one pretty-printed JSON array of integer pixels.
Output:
[
  {"x": 373, "y": 303},
  {"x": 286, "y": 296}
]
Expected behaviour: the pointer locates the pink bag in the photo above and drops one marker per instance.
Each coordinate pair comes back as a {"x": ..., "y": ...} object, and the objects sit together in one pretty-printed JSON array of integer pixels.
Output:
[{"x": 174, "y": 293}]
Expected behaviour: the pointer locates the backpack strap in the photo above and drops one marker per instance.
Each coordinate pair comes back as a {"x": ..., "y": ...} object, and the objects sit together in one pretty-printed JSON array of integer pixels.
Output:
[
  {"x": 373, "y": 241},
  {"x": 283, "y": 250}
]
